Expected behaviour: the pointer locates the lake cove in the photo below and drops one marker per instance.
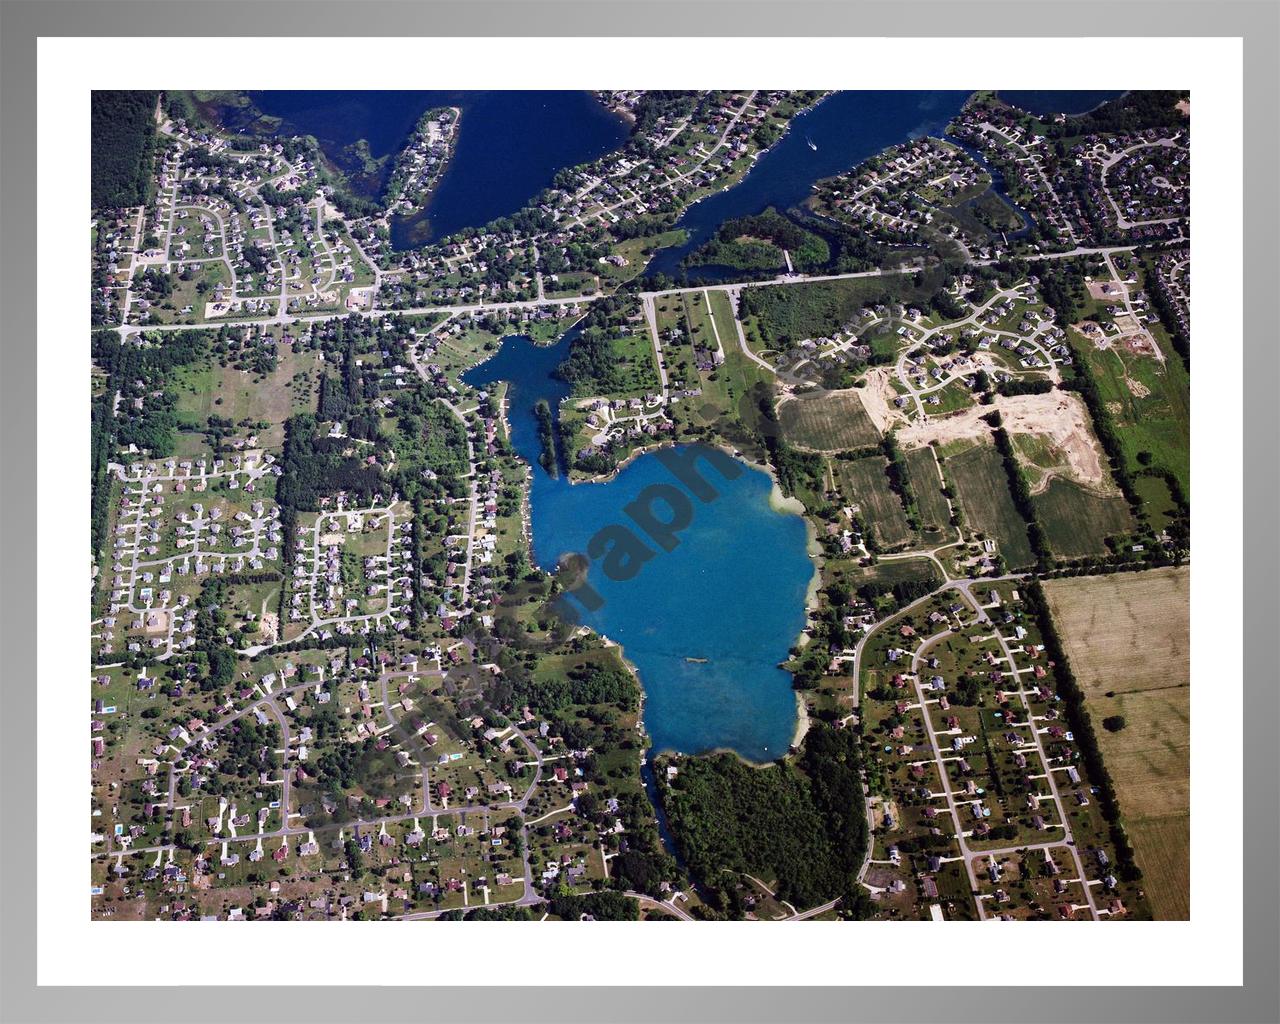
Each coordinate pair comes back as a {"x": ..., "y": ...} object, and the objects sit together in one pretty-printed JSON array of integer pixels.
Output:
[
  {"x": 694, "y": 569},
  {"x": 834, "y": 136},
  {"x": 510, "y": 144}
]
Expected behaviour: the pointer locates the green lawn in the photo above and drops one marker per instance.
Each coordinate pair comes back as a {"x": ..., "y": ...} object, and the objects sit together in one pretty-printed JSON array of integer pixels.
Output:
[
  {"x": 637, "y": 251},
  {"x": 952, "y": 398},
  {"x": 1156, "y": 500},
  {"x": 1077, "y": 521},
  {"x": 828, "y": 421},
  {"x": 863, "y": 482},
  {"x": 982, "y": 488}
]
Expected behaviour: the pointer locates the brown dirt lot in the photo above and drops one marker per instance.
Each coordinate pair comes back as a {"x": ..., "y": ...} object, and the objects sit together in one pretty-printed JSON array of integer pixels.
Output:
[
  {"x": 1106, "y": 291},
  {"x": 878, "y": 398},
  {"x": 1060, "y": 416},
  {"x": 1128, "y": 635},
  {"x": 1128, "y": 631}
]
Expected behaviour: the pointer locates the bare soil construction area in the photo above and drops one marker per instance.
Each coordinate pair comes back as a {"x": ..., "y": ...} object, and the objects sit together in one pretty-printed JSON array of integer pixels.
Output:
[
  {"x": 1106, "y": 291},
  {"x": 1060, "y": 416},
  {"x": 878, "y": 396}
]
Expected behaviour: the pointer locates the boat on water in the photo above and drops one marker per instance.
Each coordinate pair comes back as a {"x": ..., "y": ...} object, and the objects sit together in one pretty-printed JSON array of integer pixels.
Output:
[
  {"x": 696, "y": 661},
  {"x": 812, "y": 145}
]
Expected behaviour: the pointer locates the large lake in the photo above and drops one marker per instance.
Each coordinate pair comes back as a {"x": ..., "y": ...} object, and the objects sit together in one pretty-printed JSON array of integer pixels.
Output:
[
  {"x": 705, "y": 625},
  {"x": 834, "y": 136},
  {"x": 510, "y": 144}
]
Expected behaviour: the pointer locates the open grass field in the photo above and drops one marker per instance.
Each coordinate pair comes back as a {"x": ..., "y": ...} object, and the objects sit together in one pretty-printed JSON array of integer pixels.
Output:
[
  {"x": 1157, "y": 500},
  {"x": 1125, "y": 632},
  {"x": 698, "y": 317},
  {"x": 1149, "y": 403},
  {"x": 1078, "y": 521},
  {"x": 1163, "y": 846},
  {"x": 213, "y": 390},
  {"x": 830, "y": 421},
  {"x": 863, "y": 483},
  {"x": 982, "y": 489},
  {"x": 722, "y": 314},
  {"x": 780, "y": 316},
  {"x": 573, "y": 283},
  {"x": 1128, "y": 637},
  {"x": 634, "y": 355},
  {"x": 922, "y": 470},
  {"x": 898, "y": 570}
]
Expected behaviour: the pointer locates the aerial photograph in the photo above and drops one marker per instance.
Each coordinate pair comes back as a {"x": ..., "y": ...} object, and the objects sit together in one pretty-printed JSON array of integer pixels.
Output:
[{"x": 639, "y": 505}]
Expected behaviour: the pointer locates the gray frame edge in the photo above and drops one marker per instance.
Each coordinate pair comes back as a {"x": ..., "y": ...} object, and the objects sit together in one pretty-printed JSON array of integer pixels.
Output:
[{"x": 1256, "y": 21}]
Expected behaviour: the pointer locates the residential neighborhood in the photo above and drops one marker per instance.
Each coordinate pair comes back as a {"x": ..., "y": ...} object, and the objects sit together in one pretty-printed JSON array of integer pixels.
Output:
[{"x": 680, "y": 543}]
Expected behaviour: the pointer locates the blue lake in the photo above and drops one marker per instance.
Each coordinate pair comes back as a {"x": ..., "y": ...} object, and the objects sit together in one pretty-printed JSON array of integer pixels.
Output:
[
  {"x": 510, "y": 144},
  {"x": 339, "y": 117},
  {"x": 835, "y": 136},
  {"x": 1044, "y": 102},
  {"x": 707, "y": 623},
  {"x": 846, "y": 128},
  {"x": 731, "y": 595}
]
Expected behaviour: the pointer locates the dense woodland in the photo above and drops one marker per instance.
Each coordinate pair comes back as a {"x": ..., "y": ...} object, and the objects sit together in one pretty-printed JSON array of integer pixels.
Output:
[
  {"x": 587, "y": 685},
  {"x": 592, "y": 365},
  {"x": 756, "y": 243},
  {"x": 788, "y": 315},
  {"x": 123, "y": 134},
  {"x": 801, "y": 825},
  {"x": 315, "y": 466},
  {"x": 1134, "y": 111}
]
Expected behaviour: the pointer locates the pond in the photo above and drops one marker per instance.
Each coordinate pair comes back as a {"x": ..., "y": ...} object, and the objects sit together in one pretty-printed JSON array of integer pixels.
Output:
[{"x": 705, "y": 623}]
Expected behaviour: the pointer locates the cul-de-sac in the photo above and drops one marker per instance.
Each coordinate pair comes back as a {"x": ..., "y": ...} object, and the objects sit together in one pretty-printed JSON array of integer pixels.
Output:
[{"x": 640, "y": 505}]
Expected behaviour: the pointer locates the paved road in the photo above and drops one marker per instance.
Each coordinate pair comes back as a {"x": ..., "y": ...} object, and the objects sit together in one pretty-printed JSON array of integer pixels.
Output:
[
  {"x": 651, "y": 321},
  {"x": 969, "y": 855},
  {"x": 734, "y": 298},
  {"x": 666, "y": 905},
  {"x": 571, "y": 300}
]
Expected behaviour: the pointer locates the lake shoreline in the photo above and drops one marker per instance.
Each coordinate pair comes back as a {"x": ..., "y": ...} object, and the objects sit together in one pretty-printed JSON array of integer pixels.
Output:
[
  {"x": 798, "y": 721},
  {"x": 783, "y": 504}
]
